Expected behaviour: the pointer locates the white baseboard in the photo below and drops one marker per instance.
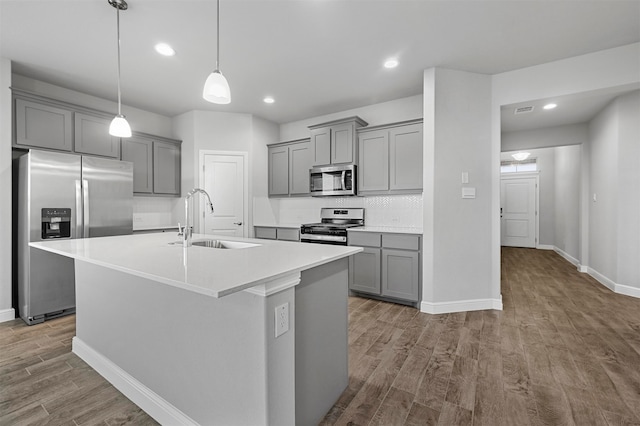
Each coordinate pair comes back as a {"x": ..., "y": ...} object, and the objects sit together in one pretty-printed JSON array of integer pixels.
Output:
[
  {"x": 567, "y": 256},
  {"x": 7, "y": 315},
  {"x": 613, "y": 286},
  {"x": 461, "y": 306},
  {"x": 142, "y": 396},
  {"x": 583, "y": 268},
  {"x": 545, "y": 247}
]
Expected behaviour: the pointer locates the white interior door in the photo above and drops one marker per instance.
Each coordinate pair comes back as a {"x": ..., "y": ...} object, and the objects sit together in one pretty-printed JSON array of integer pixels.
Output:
[
  {"x": 518, "y": 211},
  {"x": 223, "y": 177}
]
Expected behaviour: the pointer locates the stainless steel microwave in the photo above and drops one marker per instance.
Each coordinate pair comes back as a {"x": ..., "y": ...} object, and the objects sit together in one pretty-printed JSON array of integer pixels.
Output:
[{"x": 333, "y": 180}]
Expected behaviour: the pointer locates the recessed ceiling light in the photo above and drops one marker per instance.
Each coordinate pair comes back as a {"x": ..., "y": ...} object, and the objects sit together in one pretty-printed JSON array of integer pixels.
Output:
[
  {"x": 165, "y": 49},
  {"x": 269, "y": 100},
  {"x": 549, "y": 106},
  {"x": 390, "y": 63}
]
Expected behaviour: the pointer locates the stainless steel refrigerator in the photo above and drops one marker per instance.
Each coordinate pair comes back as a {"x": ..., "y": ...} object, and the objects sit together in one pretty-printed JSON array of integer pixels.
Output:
[{"x": 64, "y": 196}]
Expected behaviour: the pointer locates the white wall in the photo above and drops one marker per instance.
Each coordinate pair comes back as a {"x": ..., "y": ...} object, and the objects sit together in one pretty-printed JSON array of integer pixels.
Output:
[
  {"x": 6, "y": 311},
  {"x": 567, "y": 191},
  {"x": 457, "y": 260},
  {"x": 570, "y": 134}
]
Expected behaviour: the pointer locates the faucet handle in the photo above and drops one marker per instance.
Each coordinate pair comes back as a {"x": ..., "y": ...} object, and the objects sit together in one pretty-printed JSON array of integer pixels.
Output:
[{"x": 180, "y": 230}]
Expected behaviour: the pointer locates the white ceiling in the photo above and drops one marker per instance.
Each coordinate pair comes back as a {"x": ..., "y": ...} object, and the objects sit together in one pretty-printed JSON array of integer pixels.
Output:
[{"x": 314, "y": 57}]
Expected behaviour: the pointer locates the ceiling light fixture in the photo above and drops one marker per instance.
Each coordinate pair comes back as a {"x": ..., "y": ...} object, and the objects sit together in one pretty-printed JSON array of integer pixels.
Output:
[
  {"x": 164, "y": 49},
  {"x": 119, "y": 126},
  {"x": 390, "y": 63},
  {"x": 269, "y": 100},
  {"x": 519, "y": 156},
  {"x": 549, "y": 106},
  {"x": 216, "y": 89}
]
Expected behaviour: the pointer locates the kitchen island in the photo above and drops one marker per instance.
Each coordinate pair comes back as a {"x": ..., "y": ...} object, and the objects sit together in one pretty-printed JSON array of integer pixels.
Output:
[{"x": 189, "y": 334}]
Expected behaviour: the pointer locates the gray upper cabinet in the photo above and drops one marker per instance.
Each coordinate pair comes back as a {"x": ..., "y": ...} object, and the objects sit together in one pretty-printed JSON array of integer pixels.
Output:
[
  {"x": 140, "y": 152},
  {"x": 334, "y": 142},
  {"x": 92, "y": 136},
  {"x": 42, "y": 125},
  {"x": 390, "y": 158},
  {"x": 289, "y": 164},
  {"x": 166, "y": 168}
]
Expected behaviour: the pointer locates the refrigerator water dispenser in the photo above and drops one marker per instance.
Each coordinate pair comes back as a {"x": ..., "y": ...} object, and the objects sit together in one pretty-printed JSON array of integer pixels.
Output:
[{"x": 56, "y": 223}]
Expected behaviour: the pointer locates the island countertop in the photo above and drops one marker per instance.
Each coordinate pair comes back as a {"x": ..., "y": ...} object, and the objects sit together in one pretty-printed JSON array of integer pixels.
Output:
[{"x": 209, "y": 271}]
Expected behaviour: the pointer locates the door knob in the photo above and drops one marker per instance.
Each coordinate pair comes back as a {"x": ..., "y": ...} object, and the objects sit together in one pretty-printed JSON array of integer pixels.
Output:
[{"x": 237, "y": 223}]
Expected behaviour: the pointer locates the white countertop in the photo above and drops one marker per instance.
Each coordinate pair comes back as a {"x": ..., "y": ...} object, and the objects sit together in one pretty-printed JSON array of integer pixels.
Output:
[
  {"x": 389, "y": 229},
  {"x": 209, "y": 271}
]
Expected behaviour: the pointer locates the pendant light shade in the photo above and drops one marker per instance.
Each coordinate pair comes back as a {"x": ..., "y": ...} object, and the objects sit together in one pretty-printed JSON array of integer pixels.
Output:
[
  {"x": 216, "y": 88},
  {"x": 119, "y": 126}
]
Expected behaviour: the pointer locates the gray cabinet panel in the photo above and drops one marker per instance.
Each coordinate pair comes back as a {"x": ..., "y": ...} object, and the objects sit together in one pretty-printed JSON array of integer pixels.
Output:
[
  {"x": 44, "y": 126},
  {"x": 321, "y": 146},
  {"x": 92, "y": 136},
  {"x": 166, "y": 168},
  {"x": 367, "y": 239},
  {"x": 278, "y": 170},
  {"x": 288, "y": 234},
  {"x": 373, "y": 169},
  {"x": 299, "y": 165},
  {"x": 140, "y": 152},
  {"x": 264, "y": 232},
  {"x": 405, "y": 157},
  {"x": 401, "y": 241},
  {"x": 342, "y": 144},
  {"x": 400, "y": 274},
  {"x": 364, "y": 271}
]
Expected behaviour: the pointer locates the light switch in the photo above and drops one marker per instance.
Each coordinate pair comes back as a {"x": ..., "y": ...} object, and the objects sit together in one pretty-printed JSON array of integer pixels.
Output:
[
  {"x": 595, "y": 198},
  {"x": 465, "y": 177},
  {"x": 468, "y": 192}
]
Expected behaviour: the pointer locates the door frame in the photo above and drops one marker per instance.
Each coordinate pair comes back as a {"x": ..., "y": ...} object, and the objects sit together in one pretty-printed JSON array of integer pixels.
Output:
[
  {"x": 525, "y": 175},
  {"x": 245, "y": 155}
]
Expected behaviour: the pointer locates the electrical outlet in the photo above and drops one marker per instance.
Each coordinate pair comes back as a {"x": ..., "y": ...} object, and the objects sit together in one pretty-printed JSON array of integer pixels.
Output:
[{"x": 282, "y": 319}]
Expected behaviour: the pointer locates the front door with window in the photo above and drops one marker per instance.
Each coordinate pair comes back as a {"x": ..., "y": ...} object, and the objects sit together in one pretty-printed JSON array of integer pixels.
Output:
[{"x": 518, "y": 198}]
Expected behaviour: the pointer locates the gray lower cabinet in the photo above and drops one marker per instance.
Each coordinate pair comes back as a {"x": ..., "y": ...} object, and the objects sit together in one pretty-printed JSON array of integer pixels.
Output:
[
  {"x": 43, "y": 126},
  {"x": 156, "y": 164},
  {"x": 289, "y": 164},
  {"x": 390, "y": 158},
  {"x": 92, "y": 136},
  {"x": 276, "y": 233},
  {"x": 388, "y": 267}
]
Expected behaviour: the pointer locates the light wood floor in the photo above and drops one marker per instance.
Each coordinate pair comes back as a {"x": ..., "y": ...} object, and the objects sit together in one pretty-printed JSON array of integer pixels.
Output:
[{"x": 564, "y": 351}]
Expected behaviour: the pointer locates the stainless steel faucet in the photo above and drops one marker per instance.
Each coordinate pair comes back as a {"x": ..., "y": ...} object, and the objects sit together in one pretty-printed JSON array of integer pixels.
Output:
[{"x": 186, "y": 231}]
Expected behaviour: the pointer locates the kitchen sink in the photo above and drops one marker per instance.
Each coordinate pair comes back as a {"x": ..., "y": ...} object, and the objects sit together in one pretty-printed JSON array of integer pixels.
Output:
[{"x": 219, "y": 244}]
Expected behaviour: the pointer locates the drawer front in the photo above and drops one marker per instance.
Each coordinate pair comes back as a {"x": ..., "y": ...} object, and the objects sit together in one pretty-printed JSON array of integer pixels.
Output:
[
  {"x": 288, "y": 234},
  {"x": 400, "y": 241},
  {"x": 368, "y": 239},
  {"x": 265, "y": 233}
]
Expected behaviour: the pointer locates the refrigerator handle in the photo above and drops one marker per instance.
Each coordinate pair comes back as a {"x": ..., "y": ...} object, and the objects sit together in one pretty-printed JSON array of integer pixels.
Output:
[
  {"x": 85, "y": 205},
  {"x": 78, "y": 231}
]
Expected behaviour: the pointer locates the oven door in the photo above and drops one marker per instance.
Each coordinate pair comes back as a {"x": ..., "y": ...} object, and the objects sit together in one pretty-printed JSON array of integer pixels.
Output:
[
  {"x": 335, "y": 240},
  {"x": 333, "y": 181}
]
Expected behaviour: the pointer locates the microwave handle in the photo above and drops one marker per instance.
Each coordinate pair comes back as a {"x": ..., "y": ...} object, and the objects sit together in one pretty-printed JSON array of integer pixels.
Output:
[{"x": 344, "y": 180}]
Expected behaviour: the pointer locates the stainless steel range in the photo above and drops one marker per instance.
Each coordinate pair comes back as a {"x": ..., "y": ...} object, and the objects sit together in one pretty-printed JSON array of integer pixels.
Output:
[{"x": 333, "y": 226}]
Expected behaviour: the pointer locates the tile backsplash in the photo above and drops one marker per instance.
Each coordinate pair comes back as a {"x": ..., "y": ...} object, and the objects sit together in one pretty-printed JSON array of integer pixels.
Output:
[
  {"x": 152, "y": 212},
  {"x": 404, "y": 211}
]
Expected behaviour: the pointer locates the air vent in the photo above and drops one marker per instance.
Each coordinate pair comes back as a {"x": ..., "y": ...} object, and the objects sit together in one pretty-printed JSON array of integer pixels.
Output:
[{"x": 523, "y": 110}]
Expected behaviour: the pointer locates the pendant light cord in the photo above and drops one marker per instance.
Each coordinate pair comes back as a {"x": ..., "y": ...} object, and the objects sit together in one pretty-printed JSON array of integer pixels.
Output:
[
  {"x": 118, "y": 29},
  {"x": 218, "y": 36}
]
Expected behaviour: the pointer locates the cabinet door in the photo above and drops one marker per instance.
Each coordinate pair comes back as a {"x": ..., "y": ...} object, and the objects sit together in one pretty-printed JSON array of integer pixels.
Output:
[
  {"x": 92, "y": 136},
  {"x": 43, "y": 126},
  {"x": 166, "y": 168},
  {"x": 405, "y": 157},
  {"x": 342, "y": 144},
  {"x": 400, "y": 274},
  {"x": 321, "y": 146},
  {"x": 299, "y": 165},
  {"x": 140, "y": 152},
  {"x": 364, "y": 271},
  {"x": 288, "y": 234},
  {"x": 279, "y": 171},
  {"x": 373, "y": 164},
  {"x": 265, "y": 233}
]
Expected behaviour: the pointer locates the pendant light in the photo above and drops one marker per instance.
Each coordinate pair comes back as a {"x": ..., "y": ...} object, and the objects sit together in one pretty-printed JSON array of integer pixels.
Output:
[
  {"x": 216, "y": 89},
  {"x": 119, "y": 126}
]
